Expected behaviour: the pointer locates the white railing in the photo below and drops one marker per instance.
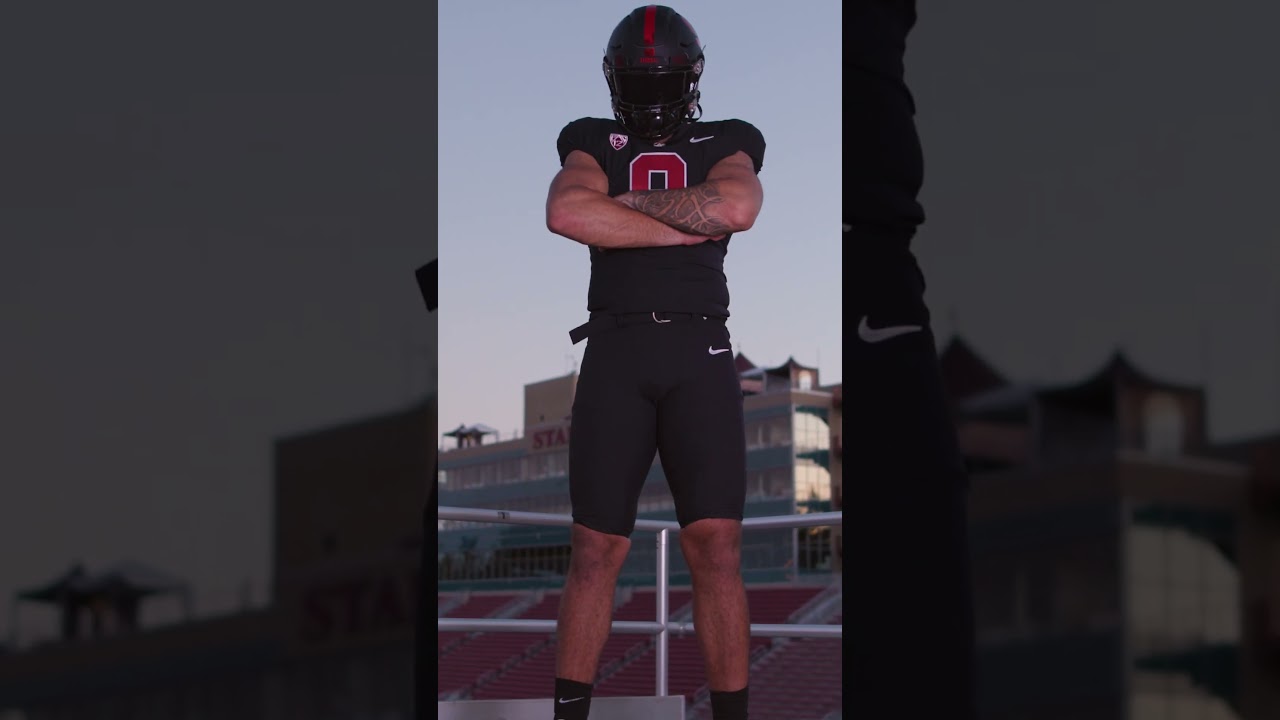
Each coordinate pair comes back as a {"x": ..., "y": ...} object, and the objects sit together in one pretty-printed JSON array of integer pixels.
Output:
[{"x": 662, "y": 625}]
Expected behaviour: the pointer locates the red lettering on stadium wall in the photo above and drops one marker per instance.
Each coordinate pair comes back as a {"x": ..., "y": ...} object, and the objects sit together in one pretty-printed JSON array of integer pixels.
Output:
[
  {"x": 551, "y": 438},
  {"x": 358, "y": 606}
]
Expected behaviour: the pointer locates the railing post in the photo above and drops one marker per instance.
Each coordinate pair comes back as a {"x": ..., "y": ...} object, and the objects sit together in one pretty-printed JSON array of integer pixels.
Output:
[{"x": 661, "y": 601}]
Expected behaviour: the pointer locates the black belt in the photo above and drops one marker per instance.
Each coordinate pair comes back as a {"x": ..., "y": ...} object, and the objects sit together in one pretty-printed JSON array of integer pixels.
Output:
[{"x": 611, "y": 321}]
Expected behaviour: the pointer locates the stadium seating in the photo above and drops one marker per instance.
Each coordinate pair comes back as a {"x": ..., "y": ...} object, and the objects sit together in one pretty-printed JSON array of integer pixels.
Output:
[
  {"x": 469, "y": 661},
  {"x": 798, "y": 681},
  {"x": 477, "y": 606},
  {"x": 686, "y": 673},
  {"x": 530, "y": 678}
]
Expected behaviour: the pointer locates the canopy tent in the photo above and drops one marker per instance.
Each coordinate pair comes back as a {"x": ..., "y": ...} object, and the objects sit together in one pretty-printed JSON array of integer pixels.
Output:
[{"x": 119, "y": 589}]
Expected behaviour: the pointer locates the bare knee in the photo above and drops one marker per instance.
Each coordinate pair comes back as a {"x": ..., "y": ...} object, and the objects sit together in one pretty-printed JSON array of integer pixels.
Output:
[
  {"x": 595, "y": 555},
  {"x": 712, "y": 546}
]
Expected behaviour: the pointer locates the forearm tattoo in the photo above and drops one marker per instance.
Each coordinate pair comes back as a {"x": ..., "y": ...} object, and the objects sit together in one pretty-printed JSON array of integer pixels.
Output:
[{"x": 694, "y": 210}]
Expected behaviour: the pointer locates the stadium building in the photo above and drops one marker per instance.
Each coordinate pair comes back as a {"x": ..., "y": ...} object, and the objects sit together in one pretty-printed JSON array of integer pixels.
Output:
[
  {"x": 511, "y": 571},
  {"x": 335, "y": 641},
  {"x": 1125, "y": 568},
  {"x": 789, "y": 471}
]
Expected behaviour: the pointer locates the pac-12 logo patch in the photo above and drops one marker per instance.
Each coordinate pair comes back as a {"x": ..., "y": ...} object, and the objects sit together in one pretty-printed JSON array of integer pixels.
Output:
[{"x": 618, "y": 141}]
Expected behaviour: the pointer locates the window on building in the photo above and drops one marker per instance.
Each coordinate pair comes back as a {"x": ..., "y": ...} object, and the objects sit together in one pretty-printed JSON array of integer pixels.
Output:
[
  {"x": 814, "y": 549},
  {"x": 778, "y": 431},
  {"x": 813, "y": 482},
  {"x": 769, "y": 432},
  {"x": 811, "y": 432},
  {"x": 510, "y": 470},
  {"x": 1162, "y": 425},
  {"x": 560, "y": 464},
  {"x": 1182, "y": 588},
  {"x": 539, "y": 466},
  {"x": 777, "y": 482}
]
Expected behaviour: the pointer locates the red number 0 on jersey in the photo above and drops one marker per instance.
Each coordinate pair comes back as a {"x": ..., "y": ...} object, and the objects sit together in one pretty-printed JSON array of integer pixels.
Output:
[{"x": 667, "y": 164}]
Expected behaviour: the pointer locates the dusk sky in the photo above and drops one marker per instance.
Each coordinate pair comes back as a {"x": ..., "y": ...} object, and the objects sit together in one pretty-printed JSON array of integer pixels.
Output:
[{"x": 510, "y": 291}]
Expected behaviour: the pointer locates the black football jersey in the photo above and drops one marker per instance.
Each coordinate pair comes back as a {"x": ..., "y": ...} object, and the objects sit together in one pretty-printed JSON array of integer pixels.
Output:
[{"x": 688, "y": 278}]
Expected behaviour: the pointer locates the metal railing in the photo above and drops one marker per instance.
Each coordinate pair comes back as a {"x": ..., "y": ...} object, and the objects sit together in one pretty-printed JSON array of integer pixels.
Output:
[{"x": 662, "y": 626}]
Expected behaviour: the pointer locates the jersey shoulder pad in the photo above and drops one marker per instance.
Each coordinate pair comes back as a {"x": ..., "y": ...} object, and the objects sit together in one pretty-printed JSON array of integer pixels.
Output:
[
  {"x": 742, "y": 136},
  {"x": 590, "y": 135}
]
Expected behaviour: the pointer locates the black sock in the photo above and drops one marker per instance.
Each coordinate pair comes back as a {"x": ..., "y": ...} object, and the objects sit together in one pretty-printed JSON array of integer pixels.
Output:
[
  {"x": 729, "y": 705},
  {"x": 573, "y": 700}
]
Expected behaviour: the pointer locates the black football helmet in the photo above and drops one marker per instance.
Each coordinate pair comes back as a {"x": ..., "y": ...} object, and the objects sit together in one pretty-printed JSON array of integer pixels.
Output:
[{"x": 653, "y": 64}]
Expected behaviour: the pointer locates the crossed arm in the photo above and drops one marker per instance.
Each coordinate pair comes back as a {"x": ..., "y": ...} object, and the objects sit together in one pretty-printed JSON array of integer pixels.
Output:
[
  {"x": 579, "y": 206},
  {"x": 728, "y": 202}
]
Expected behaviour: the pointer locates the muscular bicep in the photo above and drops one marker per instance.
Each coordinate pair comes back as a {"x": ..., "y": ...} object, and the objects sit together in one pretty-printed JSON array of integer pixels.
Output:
[
  {"x": 737, "y": 179},
  {"x": 580, "y": 171},
  {"x": 578, "y": 195}
]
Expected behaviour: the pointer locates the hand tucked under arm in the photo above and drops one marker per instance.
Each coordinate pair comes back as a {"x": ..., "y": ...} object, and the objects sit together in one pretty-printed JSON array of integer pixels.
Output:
[{"x": 729, "y": 201}]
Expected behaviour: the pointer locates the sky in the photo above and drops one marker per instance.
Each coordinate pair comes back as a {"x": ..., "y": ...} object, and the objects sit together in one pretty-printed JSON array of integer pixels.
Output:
[{"x": 510, "y": 290}]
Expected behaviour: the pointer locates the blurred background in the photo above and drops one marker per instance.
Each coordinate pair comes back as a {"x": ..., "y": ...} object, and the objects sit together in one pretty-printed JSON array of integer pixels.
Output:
[
  {"x": 218, "y": 377},
  {"x": 216, "y": 368},
  {"x": 1102, "y": 262}
]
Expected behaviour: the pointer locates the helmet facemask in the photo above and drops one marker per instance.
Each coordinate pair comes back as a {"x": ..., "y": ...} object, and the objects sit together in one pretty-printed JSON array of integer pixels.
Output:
[{"x": 652, "y": 103}]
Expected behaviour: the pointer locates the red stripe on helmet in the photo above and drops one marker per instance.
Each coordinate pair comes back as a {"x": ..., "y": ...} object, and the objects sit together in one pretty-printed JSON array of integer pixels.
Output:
[{"x": 650, "y": 18}]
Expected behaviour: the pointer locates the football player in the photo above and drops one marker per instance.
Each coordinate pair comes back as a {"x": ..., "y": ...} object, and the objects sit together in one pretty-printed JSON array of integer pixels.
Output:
[{"x": 656, "y": 194}]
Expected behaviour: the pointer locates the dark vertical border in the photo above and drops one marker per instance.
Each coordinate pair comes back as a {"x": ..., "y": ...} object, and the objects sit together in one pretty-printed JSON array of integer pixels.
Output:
[
  {"x": 424, "y": 664},
  {"x": 427, "y": 276},
  {"x": 164, "y": 97}
]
